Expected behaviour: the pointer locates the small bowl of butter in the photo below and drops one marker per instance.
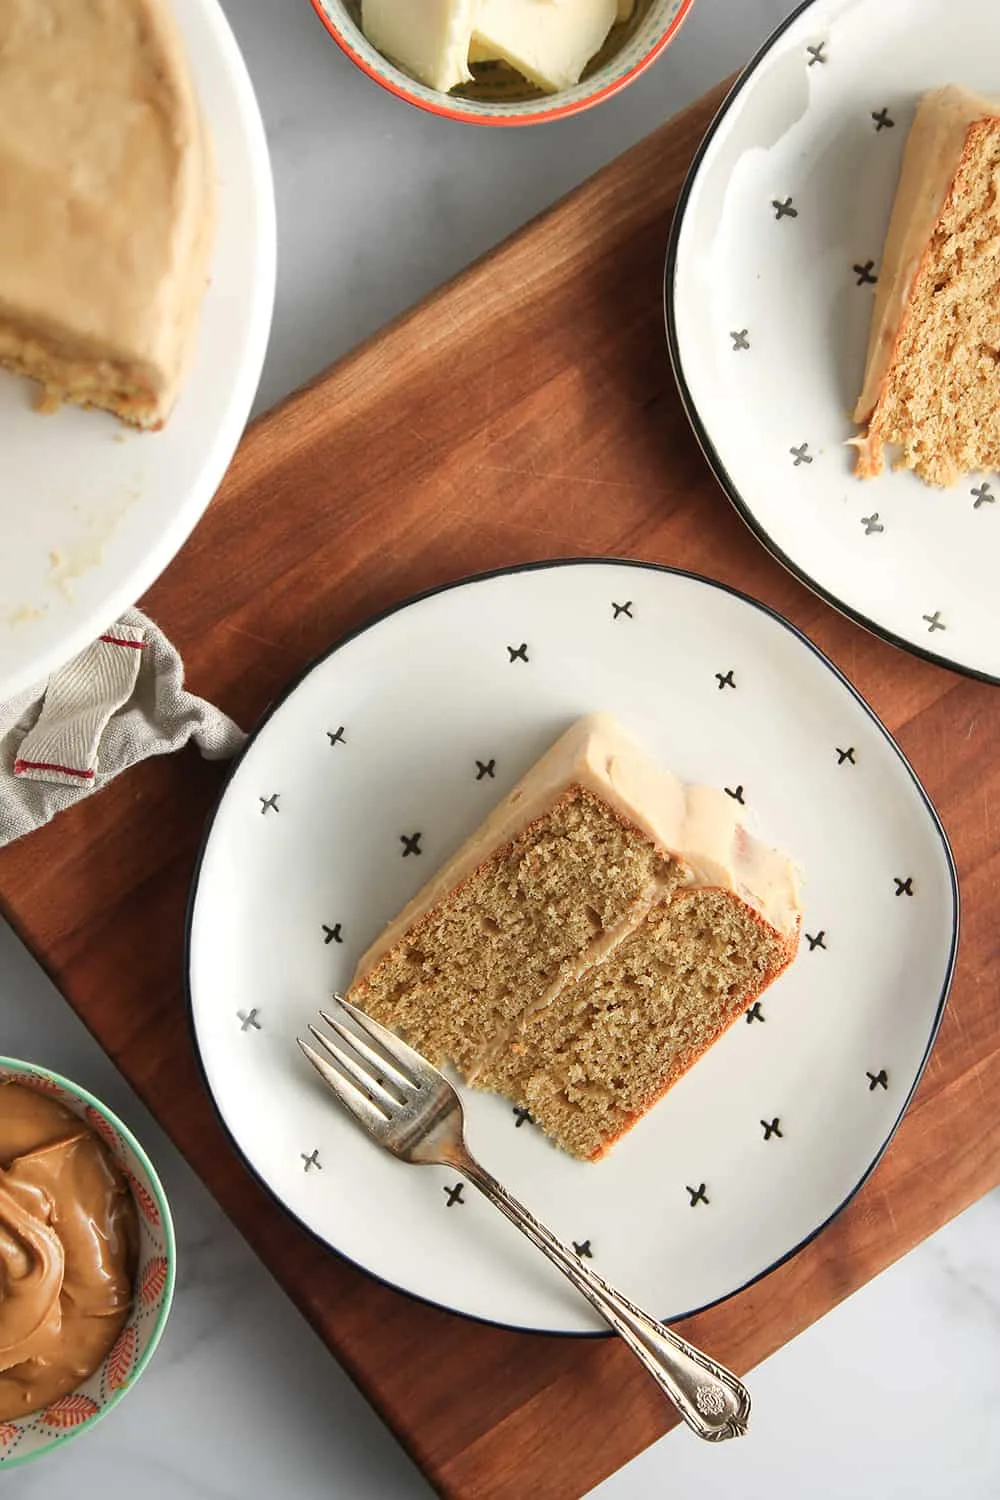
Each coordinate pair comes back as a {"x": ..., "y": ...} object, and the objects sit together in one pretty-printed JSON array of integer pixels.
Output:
[
  {"x": 503, "y": 62},
  {"x": 87, "y": 1260}
]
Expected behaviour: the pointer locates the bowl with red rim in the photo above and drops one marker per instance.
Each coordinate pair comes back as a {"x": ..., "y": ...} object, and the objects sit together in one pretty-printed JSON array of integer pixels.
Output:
[
  {"x": 497, "y": 95},
  {"x": 42, "y": 1431}
]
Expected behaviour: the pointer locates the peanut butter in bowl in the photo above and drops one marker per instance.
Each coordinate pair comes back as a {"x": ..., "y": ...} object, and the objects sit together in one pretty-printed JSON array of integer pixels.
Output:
[{"x": 69, "y": 1245}]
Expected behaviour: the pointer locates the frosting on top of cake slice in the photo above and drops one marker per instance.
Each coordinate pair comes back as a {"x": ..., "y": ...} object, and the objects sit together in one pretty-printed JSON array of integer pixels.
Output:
[
  {"x": 696, "y": 825},
  {"x": 106, "y": 201}
]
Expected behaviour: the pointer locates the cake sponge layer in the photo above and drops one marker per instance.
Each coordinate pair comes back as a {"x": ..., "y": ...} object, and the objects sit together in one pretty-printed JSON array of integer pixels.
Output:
[
  {"x": 470, "y": 966},
  {"x": 596, "y": 935},
  {"x": 932, "y": 383},
  {"x": 588, "y": 1065}
]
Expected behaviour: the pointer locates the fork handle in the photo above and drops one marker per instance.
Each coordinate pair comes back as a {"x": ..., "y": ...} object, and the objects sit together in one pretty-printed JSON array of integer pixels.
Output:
[{"x": 708, "y": 1396}]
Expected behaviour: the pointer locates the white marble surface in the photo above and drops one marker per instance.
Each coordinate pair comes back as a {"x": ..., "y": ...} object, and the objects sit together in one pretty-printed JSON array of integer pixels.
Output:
[
  {"x": 892, "y": 1395},
  {"x": 241, "y": 1400}
]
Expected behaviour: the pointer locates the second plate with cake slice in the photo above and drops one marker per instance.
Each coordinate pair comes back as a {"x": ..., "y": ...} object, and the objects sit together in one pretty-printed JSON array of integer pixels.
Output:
[
  {"x": 816, "y": 221},
  {"x": 394, "y": 749}
]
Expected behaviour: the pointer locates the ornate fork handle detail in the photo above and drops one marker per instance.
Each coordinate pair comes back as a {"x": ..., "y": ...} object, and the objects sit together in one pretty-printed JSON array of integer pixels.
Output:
[
  {"x": 417, "y": 1115},
  {"x": 709, "y": 1397}
]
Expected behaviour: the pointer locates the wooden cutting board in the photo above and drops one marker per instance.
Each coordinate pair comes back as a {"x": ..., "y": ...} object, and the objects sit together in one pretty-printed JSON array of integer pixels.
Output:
[{"x": 526, "y": 411}]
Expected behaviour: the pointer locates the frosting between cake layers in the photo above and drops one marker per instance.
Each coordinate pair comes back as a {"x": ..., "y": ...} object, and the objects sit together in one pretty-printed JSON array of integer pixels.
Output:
[
  {"x": 933, "y": 151},
  {"x": 693, "y": 824},
  {"x": 601, "y": 947},
  {"x": 106, "y": 201}
]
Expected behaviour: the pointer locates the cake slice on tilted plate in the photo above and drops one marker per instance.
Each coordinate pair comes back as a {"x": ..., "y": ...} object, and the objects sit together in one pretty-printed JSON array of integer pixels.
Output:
[
  {"x": 585, "y": 947},
  {"x": 932, "y": 380},
  {"x": 106, "y": 203}
]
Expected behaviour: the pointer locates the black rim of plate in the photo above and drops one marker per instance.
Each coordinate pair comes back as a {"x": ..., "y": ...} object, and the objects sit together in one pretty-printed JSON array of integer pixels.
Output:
[
  {"x": 462, "y": 583},
  {"x": 700, "y": 427}
]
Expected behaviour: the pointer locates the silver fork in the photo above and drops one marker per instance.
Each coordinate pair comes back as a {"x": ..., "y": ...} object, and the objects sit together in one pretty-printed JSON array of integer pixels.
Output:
[{"x": 411, "y": 1109}]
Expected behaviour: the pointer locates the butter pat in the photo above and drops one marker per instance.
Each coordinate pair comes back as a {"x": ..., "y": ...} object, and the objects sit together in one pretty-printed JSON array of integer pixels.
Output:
[
  {"x": 429, "y": 38},
  {"x": 549, "y": 41}
]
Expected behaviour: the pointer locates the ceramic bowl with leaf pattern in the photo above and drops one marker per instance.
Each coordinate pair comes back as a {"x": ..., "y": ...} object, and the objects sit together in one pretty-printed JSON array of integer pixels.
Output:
[{"x": 42, "y": 1431}]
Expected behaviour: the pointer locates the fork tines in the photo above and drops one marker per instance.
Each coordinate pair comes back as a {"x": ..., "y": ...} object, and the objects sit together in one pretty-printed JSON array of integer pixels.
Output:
[{"x": 366, "y": 1077}]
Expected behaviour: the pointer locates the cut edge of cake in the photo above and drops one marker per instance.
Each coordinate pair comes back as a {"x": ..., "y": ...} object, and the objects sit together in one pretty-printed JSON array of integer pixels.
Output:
[
  {"x": 950, "y": 128},
  {"x": 696, "y": 841},
  {"x": 591, "y": 1138}
]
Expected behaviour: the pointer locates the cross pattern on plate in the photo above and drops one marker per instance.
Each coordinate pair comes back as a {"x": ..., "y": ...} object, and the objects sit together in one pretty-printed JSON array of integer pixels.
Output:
[
  {"x": 332, "y": 866},
  {"x": 806, "y": 289}
]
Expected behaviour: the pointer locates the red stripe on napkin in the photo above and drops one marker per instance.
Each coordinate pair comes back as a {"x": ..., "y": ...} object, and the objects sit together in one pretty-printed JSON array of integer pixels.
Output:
[{"x": 20, "y": 766}]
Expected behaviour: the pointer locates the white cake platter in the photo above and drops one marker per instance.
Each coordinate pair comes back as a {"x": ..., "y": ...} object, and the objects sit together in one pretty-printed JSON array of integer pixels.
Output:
[
  {"x": 770, "y": 282},
  {"x": 91, "y": 512},
  {"x": 391, "y": 750}
]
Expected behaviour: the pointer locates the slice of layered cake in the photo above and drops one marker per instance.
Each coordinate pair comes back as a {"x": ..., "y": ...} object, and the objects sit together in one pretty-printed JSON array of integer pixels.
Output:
[
  {"x": 597, "y": 934},
  {"x": 106, "y": 203},
  {"x": 932, "y": 380}
]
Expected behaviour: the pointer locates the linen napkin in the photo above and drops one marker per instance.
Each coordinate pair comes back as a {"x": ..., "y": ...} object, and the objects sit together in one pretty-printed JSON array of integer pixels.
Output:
[{"x": 119, "y": 701}]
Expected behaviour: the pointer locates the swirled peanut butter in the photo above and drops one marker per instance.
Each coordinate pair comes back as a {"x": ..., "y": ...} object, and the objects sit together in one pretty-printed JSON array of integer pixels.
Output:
[{"x": 68, "y": 1245}]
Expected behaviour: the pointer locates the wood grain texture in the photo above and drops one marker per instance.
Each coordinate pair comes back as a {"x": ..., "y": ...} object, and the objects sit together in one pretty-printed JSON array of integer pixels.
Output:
[{"x": 526, "y": 411}]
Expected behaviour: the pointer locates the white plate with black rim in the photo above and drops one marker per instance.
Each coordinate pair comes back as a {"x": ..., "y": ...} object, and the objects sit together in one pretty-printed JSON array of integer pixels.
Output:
[
  {"x": 101, "y": 508},
  {"x": 773, "y": 261},
  {"x": 390, "y": 750}
]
